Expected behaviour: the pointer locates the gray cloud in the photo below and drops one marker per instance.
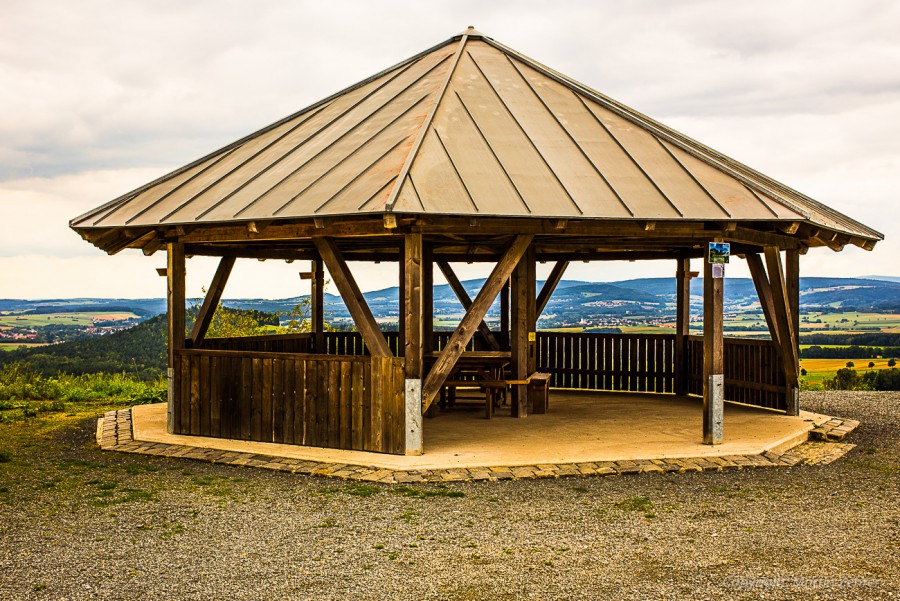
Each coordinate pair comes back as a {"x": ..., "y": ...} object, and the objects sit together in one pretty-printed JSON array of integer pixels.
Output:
[{"x": 802, "y": 90}]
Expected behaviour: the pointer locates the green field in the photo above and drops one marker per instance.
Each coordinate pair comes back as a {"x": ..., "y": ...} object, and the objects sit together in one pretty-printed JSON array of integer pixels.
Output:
[
  {"x": 850, "y": 322},
  {"x": 15, "y": 320},
  {"x": 12, "y": 346},
  {"x": 818, "y": 370}
]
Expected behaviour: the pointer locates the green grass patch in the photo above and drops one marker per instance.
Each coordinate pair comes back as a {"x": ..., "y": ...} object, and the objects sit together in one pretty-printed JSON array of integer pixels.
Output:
[
  {"x": 420, "y": 493},
  {"x": 642, "y": 504}
]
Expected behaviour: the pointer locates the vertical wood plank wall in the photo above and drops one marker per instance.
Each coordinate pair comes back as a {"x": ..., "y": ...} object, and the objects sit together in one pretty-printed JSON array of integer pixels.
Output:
[
  {"x": 266, "y": 388},
  {"x": 633, "y": 362},
  {"x": 339, "y": 402},
  {"x": 753, "y": 371}
]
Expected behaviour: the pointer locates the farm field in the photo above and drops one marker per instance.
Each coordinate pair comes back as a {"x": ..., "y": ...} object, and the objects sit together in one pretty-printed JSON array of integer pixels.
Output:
[
  {"x": 11, "y": 346},
  {"x": 16, "y": 320},
  {"x": 818, "y": 370},
  {"x": 850, "y": 321}
]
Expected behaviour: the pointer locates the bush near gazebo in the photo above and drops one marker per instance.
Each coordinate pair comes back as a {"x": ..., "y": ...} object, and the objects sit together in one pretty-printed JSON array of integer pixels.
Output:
[{"x": 850, "y": 379}]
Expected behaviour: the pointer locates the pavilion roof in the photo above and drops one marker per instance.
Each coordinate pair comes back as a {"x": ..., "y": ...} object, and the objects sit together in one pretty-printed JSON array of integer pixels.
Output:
[{"x": 472, "y": 128}]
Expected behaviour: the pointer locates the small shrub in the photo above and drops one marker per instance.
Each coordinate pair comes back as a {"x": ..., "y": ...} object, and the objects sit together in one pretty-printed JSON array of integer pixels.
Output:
[{"x": 5, "y": 457}]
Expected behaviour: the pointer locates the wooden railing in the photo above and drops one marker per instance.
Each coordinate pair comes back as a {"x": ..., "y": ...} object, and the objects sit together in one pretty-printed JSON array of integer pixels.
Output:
[
  {"x": 628, "y": 362},
  {"x": 633, "y": 362},
  {"x": 753, "y": 372},
  {"x": 282, "y": 343},
  {"x": 338, "y": 402}
]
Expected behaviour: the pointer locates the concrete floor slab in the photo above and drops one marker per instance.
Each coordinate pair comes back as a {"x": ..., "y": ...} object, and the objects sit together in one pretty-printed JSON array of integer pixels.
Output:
[{"x": 580, "y": 427}]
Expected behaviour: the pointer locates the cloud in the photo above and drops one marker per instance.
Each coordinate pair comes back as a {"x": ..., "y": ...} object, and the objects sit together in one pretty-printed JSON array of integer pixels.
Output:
[{"x": 101, "y": 96}]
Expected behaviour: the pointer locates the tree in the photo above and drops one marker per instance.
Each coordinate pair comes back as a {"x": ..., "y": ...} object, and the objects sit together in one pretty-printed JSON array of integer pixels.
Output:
[
  {"x": 803, "y": 371},
  {"x": 871, "y": 364},
  {"x": 850, "y": 365},
  {"x": 892, "y": 362}
]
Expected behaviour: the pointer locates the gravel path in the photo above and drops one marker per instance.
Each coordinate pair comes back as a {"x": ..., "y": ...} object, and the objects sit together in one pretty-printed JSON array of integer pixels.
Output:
[{"x": 81, "y": 524}]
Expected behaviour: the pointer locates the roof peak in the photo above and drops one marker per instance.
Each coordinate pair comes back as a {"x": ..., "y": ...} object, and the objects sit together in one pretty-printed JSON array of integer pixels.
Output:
[{"x": 471, "y": 32}]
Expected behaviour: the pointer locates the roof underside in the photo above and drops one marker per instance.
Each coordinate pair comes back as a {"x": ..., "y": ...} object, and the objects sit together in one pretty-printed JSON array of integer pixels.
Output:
[{"x": 469, "y": 128}]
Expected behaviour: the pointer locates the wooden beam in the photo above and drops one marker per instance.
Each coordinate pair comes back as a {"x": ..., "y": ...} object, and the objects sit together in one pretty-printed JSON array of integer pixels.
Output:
[
  {"x": 758, "y": 238},
  {"x": 411, "y": 293},
  {"x": 504, "y": 316},
  {"x": 211, "y": 302},
  {"x": 466, "y": 302},
  {"x": 175, "y": 301},
  {"x": 713, "y": 357},
  {"x": 353, "y": 298},
  {"x": 786, "y": 333},
  {"x": 523, "y": 307},
  {"x": 549, "y": 286},
  {"x": 411, "y": 319},
  {"x": 792, "y": 281},
  {"x": 427, "y": 299},
  {"x": 682, "y": 323},
  {"x": 469, "y": 324},
  {"x": 764, "y": 293},
  {"x": 317, "y": 304},
  {"x": 782, "y": 306},
  {"x": 401, "y": 299}
]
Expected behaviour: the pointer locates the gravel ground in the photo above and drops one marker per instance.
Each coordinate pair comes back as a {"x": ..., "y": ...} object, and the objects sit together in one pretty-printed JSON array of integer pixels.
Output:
[{"x": 81, "y": 524}]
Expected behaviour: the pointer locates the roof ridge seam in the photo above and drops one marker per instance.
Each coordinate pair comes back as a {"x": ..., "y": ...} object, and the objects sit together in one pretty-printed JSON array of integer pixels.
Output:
[{"x": 423, "y": 128}]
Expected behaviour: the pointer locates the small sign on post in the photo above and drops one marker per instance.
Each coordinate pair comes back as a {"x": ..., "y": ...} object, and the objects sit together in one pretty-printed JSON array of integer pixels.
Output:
[{"x": 719, "y": 253}]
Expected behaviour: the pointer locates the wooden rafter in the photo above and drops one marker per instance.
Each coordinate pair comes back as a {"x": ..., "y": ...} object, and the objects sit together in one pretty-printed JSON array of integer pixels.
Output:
[
  {"x": 469, "y": 324},
  {"x": 353, "y": 298},
  {"x": 549, "y": 286},
  {"x": 211, "y": 302},
  {"x": 466, "y": 302}
]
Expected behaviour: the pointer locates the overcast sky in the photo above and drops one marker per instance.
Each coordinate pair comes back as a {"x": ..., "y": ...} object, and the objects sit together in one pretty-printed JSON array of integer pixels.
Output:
[{"x": 97, "y": 98}]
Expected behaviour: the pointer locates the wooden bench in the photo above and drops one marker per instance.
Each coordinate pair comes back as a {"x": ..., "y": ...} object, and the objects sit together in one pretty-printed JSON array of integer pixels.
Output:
[
  {"x": 540, "y": 392},
  {"x": 493, "y": 389}
]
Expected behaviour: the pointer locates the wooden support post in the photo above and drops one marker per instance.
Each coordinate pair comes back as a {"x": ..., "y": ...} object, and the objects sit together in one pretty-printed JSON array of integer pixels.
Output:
[
  {"x": 412, "y": 318},
  {"x": 211, "y": 302},
  {"x": 175, "y": 298},
  {"x": 521, "y": 345},
  {"x": 792, "y": 280},
  {"x": 353, "y": 298},
  {"x": 504, "y": 317},
  {"x": 469, "y": 324},
  {"x": 427, "y": 299},
  {"x": 682, "y": 323},
  {"x": 785, "y": 324},
  {"x": 401, "y": 298},
  {"x": 466, "y": 302},
  {"x": 549, "y": 286},
  {"x": 317, "y": 300},
  {"x": 713, "y": 357},
  {"x": 531, "y": 288}
]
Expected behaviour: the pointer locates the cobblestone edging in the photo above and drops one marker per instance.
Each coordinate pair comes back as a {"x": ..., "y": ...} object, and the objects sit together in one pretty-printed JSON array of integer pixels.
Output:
[
  {"x": 114, "y": 433},
  {"x": 834, "y": 429}
]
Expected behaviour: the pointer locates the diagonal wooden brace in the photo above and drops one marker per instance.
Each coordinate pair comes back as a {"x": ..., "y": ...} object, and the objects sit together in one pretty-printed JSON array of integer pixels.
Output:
[{"x": 469, "y": 324}]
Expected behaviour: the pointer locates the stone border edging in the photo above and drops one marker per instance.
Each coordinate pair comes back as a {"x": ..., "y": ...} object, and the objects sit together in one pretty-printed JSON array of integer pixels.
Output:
[{"x": 115, "y": 433}]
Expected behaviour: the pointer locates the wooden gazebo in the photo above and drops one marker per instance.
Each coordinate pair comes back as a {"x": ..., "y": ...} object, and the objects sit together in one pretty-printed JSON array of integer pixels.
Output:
[{"x": 467, "y": 152}]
